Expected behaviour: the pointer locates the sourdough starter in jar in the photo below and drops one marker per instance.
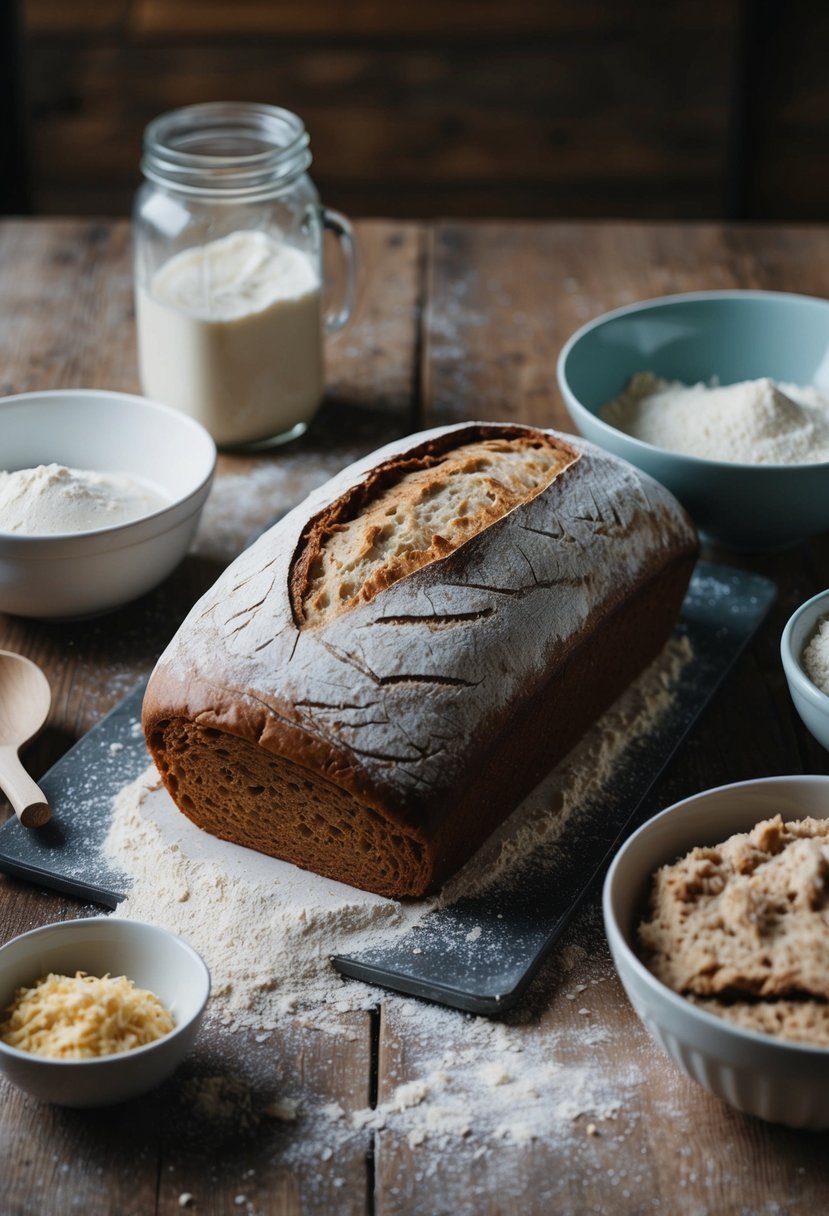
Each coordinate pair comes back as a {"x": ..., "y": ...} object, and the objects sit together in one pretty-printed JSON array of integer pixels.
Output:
[{"x": 231, "y": 333}]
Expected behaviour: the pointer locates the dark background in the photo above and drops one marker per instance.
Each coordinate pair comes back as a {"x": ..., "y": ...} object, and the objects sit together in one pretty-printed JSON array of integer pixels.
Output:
[{"x": 694, "y": 109}]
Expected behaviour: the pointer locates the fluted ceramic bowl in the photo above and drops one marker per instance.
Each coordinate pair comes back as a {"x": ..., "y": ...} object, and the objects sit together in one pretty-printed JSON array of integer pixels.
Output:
[
  {"x": 76, "y": 574},
  {"x": 730, "y": 335},
  {"x": 152, "y": 958},
  {"x": 760, "y": 1074}
]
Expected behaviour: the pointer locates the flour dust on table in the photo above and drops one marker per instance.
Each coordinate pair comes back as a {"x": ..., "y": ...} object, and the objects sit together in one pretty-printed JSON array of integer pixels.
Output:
[
  {"x": 452, "y": 1083},
  {"x": 268, "y": 930}
]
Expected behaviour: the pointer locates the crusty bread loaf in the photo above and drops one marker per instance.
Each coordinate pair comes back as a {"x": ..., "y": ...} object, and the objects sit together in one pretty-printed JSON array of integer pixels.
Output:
[{"x": 379, "y": 680}]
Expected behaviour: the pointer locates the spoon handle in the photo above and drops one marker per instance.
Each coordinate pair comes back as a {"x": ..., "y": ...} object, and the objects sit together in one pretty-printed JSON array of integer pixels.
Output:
[{"x": 26, "y": 797}]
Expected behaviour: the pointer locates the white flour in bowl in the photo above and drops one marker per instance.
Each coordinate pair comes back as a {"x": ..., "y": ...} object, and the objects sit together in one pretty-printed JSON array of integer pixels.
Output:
[
  {"x": 753, "y": 422},
  {"x": 53, "y": 499}
]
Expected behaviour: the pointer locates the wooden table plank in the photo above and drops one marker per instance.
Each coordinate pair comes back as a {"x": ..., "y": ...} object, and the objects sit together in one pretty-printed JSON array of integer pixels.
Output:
[{"x": 220, "y": 1151}]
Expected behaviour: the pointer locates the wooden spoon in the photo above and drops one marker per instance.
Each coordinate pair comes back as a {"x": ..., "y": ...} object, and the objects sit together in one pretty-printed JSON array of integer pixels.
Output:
[{"x": 25, "y": 698}]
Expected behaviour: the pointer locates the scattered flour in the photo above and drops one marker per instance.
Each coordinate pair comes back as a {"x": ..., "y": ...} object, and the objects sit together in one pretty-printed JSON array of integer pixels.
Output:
[
  {"x": 52, "y": 499},
  {"x": 492, "y": 1080},
  {"x": 816, "y": 656},
  {"x": 450, "y": 1084},
  {"x": 267, "y": 931},
  {"x": 754, "y": 422}
]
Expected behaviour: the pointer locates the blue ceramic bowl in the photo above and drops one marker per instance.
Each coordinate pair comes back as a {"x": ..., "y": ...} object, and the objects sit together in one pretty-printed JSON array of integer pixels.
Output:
[{"x": 733, "y": 335}]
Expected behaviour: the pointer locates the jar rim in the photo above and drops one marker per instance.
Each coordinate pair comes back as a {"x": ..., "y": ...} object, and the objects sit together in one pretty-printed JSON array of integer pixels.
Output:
[{"x": 177, "y": 147}]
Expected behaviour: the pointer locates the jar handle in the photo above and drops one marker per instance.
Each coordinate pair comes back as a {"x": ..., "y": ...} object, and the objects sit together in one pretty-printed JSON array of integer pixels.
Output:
[{"x": 334, "y": 222}]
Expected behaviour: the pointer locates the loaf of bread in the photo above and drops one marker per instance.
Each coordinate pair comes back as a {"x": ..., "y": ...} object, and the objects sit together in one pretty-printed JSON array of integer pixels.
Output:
[{"x": 385, "y": 674}]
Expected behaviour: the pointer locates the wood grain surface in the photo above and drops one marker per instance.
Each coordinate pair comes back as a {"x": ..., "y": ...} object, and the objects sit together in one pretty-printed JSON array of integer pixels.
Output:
[
  {"x": 456, "y": 320},
  {"x": 694, "y": 109},
  {"x": 535, "y": 107}
]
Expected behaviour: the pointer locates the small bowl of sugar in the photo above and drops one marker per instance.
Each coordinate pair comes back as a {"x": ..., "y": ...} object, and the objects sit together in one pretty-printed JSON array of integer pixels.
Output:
[
  {"x": 723, "y": 397},
  {"x": 98, "y": 1010},
  {"x": 100, "y": 497},
  {"x": 804, "y": 650}
]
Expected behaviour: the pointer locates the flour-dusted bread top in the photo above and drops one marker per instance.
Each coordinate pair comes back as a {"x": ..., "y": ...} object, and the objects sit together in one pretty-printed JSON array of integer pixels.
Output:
[{"x": 394, "y": 696}]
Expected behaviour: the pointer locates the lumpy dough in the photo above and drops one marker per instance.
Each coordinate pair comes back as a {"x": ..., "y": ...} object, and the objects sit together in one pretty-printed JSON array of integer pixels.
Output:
[{"x": 741, "y": 928}]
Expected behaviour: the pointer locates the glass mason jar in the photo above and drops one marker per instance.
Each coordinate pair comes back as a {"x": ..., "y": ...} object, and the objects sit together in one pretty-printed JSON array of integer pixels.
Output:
[{"x": 228, "y": 261}]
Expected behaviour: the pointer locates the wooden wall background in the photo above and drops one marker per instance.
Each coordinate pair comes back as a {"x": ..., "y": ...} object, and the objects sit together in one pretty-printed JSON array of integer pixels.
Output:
[{"x": 652, "y": 108}]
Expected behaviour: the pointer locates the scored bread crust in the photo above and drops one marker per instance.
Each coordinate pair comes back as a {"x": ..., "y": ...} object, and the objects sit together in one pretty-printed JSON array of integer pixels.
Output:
[
  {"x": 380, "y": 744},
  {"x": 410, "y": 511}
]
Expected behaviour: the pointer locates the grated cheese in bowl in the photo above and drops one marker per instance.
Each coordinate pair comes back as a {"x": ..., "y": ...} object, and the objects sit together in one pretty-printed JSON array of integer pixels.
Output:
[
  {"x": 75, "y": 1039},
  {"x": 83, "y": 1016}
]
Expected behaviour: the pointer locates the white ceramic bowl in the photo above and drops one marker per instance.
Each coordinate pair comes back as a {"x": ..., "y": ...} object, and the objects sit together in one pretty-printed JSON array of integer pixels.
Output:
[
  {"x": 810, "y": 702},
  {"x": 757, "y": 1073},
  {"x": 733, "y": 335},
  {"x": 84, "y": 573},
  {"x": 152, "y": 958}
]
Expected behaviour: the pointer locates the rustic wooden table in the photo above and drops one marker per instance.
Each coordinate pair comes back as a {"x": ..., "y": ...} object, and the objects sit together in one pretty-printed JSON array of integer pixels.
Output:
[{"x": 455, "y": 321}]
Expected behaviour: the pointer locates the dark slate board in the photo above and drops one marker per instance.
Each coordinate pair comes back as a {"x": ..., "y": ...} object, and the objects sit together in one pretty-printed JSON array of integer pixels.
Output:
[
  {"x": 67, "y": 853},
  {"x": 514, "y": 926}
]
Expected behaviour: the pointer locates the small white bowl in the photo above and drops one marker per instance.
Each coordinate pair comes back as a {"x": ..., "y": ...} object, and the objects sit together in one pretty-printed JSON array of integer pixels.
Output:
[
  {"x": 78, "y": 574},
  {"x": 810, "y": 702},
  {"x": 152, "y": 958},
  {"x": 759, "y": 1074}
]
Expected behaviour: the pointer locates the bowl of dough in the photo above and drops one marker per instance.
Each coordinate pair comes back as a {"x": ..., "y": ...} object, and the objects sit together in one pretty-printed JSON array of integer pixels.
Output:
[
  {"x": 716, "y": 915},
  {"x": 97, "y": 1010},
  {"x": 100, "y": 497},
  {"x": 804, "y": 650},
  {"x": 723, "y": 397}
]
